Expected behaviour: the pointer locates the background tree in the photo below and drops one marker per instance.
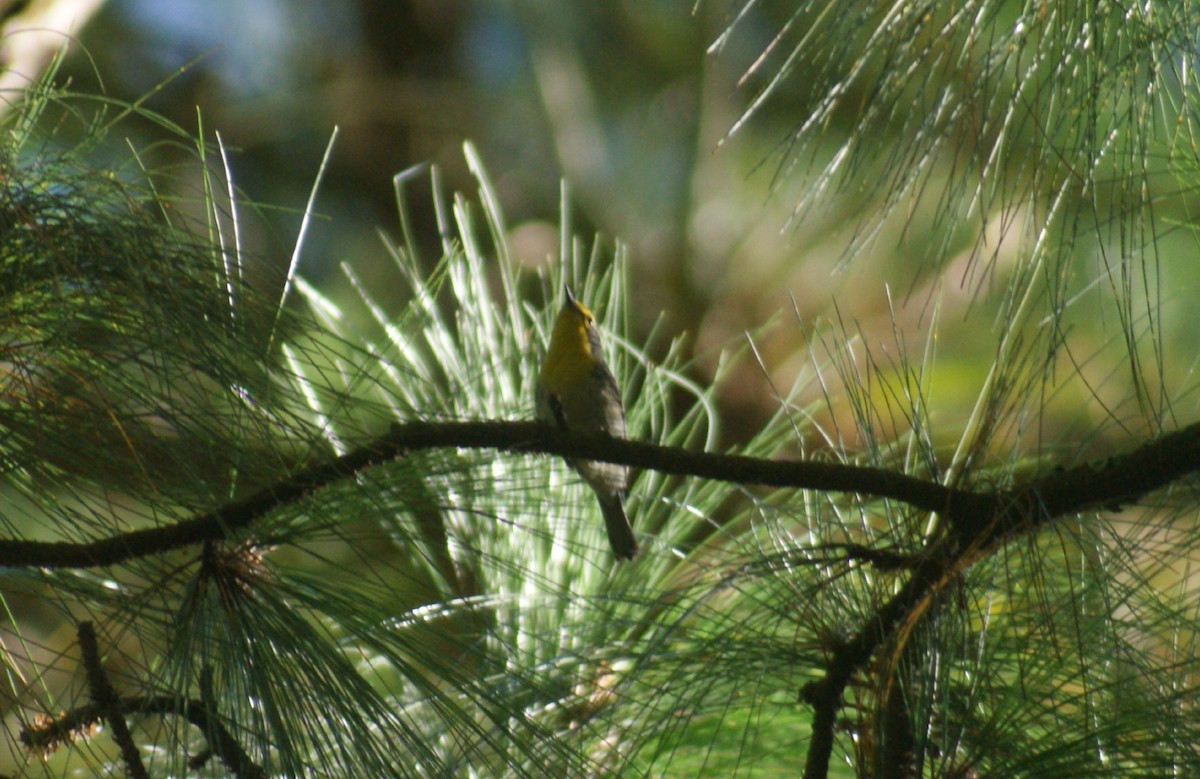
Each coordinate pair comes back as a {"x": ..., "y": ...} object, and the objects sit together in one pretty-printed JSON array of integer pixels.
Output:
[{"x": 254, "y": 541}]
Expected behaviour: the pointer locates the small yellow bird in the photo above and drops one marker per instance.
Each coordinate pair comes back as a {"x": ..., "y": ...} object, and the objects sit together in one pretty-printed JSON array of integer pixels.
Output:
[{"x": 577, "y": 391}]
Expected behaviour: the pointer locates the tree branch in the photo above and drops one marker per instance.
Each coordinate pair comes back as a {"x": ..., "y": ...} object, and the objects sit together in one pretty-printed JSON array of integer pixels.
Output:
[
  {"x": 107, "y": 703},
  {"x": 1019, "y": 511},
  {"x": 974, "y": 516},
  {"x": 49, "y": 733}
]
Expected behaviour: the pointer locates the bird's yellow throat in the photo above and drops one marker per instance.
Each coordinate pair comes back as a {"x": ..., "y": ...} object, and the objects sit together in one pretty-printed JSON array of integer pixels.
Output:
[{"x": 569, "y": 358}]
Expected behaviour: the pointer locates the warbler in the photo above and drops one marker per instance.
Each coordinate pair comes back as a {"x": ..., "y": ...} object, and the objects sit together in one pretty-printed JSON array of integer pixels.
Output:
[{"x": 577, "y": 391}]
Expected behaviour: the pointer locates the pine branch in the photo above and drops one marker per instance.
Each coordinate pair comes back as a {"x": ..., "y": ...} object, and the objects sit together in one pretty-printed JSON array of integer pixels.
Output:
[
  {"x": 107, "y": 704},
  {"x": 979, "y": 520},
  {"x": 49, "y": 733},
  {"x": 1018, "y": 511}
]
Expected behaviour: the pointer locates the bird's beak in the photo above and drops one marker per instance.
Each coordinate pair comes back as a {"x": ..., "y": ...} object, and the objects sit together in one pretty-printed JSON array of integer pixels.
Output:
[{"x": 567, "y": 291}]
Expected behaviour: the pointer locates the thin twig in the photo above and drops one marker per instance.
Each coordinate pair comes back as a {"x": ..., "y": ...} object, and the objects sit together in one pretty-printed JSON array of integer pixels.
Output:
[
  {"x": 221, "y": 743},
  {"x": 106, "y": 701}
]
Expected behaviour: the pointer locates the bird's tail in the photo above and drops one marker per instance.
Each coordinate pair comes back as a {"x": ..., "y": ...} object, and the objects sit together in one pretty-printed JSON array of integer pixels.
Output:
[{"x": 620, "y": 533}]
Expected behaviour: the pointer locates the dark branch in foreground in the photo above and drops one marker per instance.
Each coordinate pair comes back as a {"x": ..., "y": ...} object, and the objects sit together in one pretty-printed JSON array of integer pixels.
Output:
[
  {"x": 105, "y": 699},
  {"x": 48, "y": 734},
  {"x": 1019, "y": 511},
  {"x": 972, "y": 515}
]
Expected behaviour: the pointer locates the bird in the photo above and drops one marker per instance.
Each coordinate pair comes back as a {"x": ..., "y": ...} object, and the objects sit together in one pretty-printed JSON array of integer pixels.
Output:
[{"x": 577, "y": 391}]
